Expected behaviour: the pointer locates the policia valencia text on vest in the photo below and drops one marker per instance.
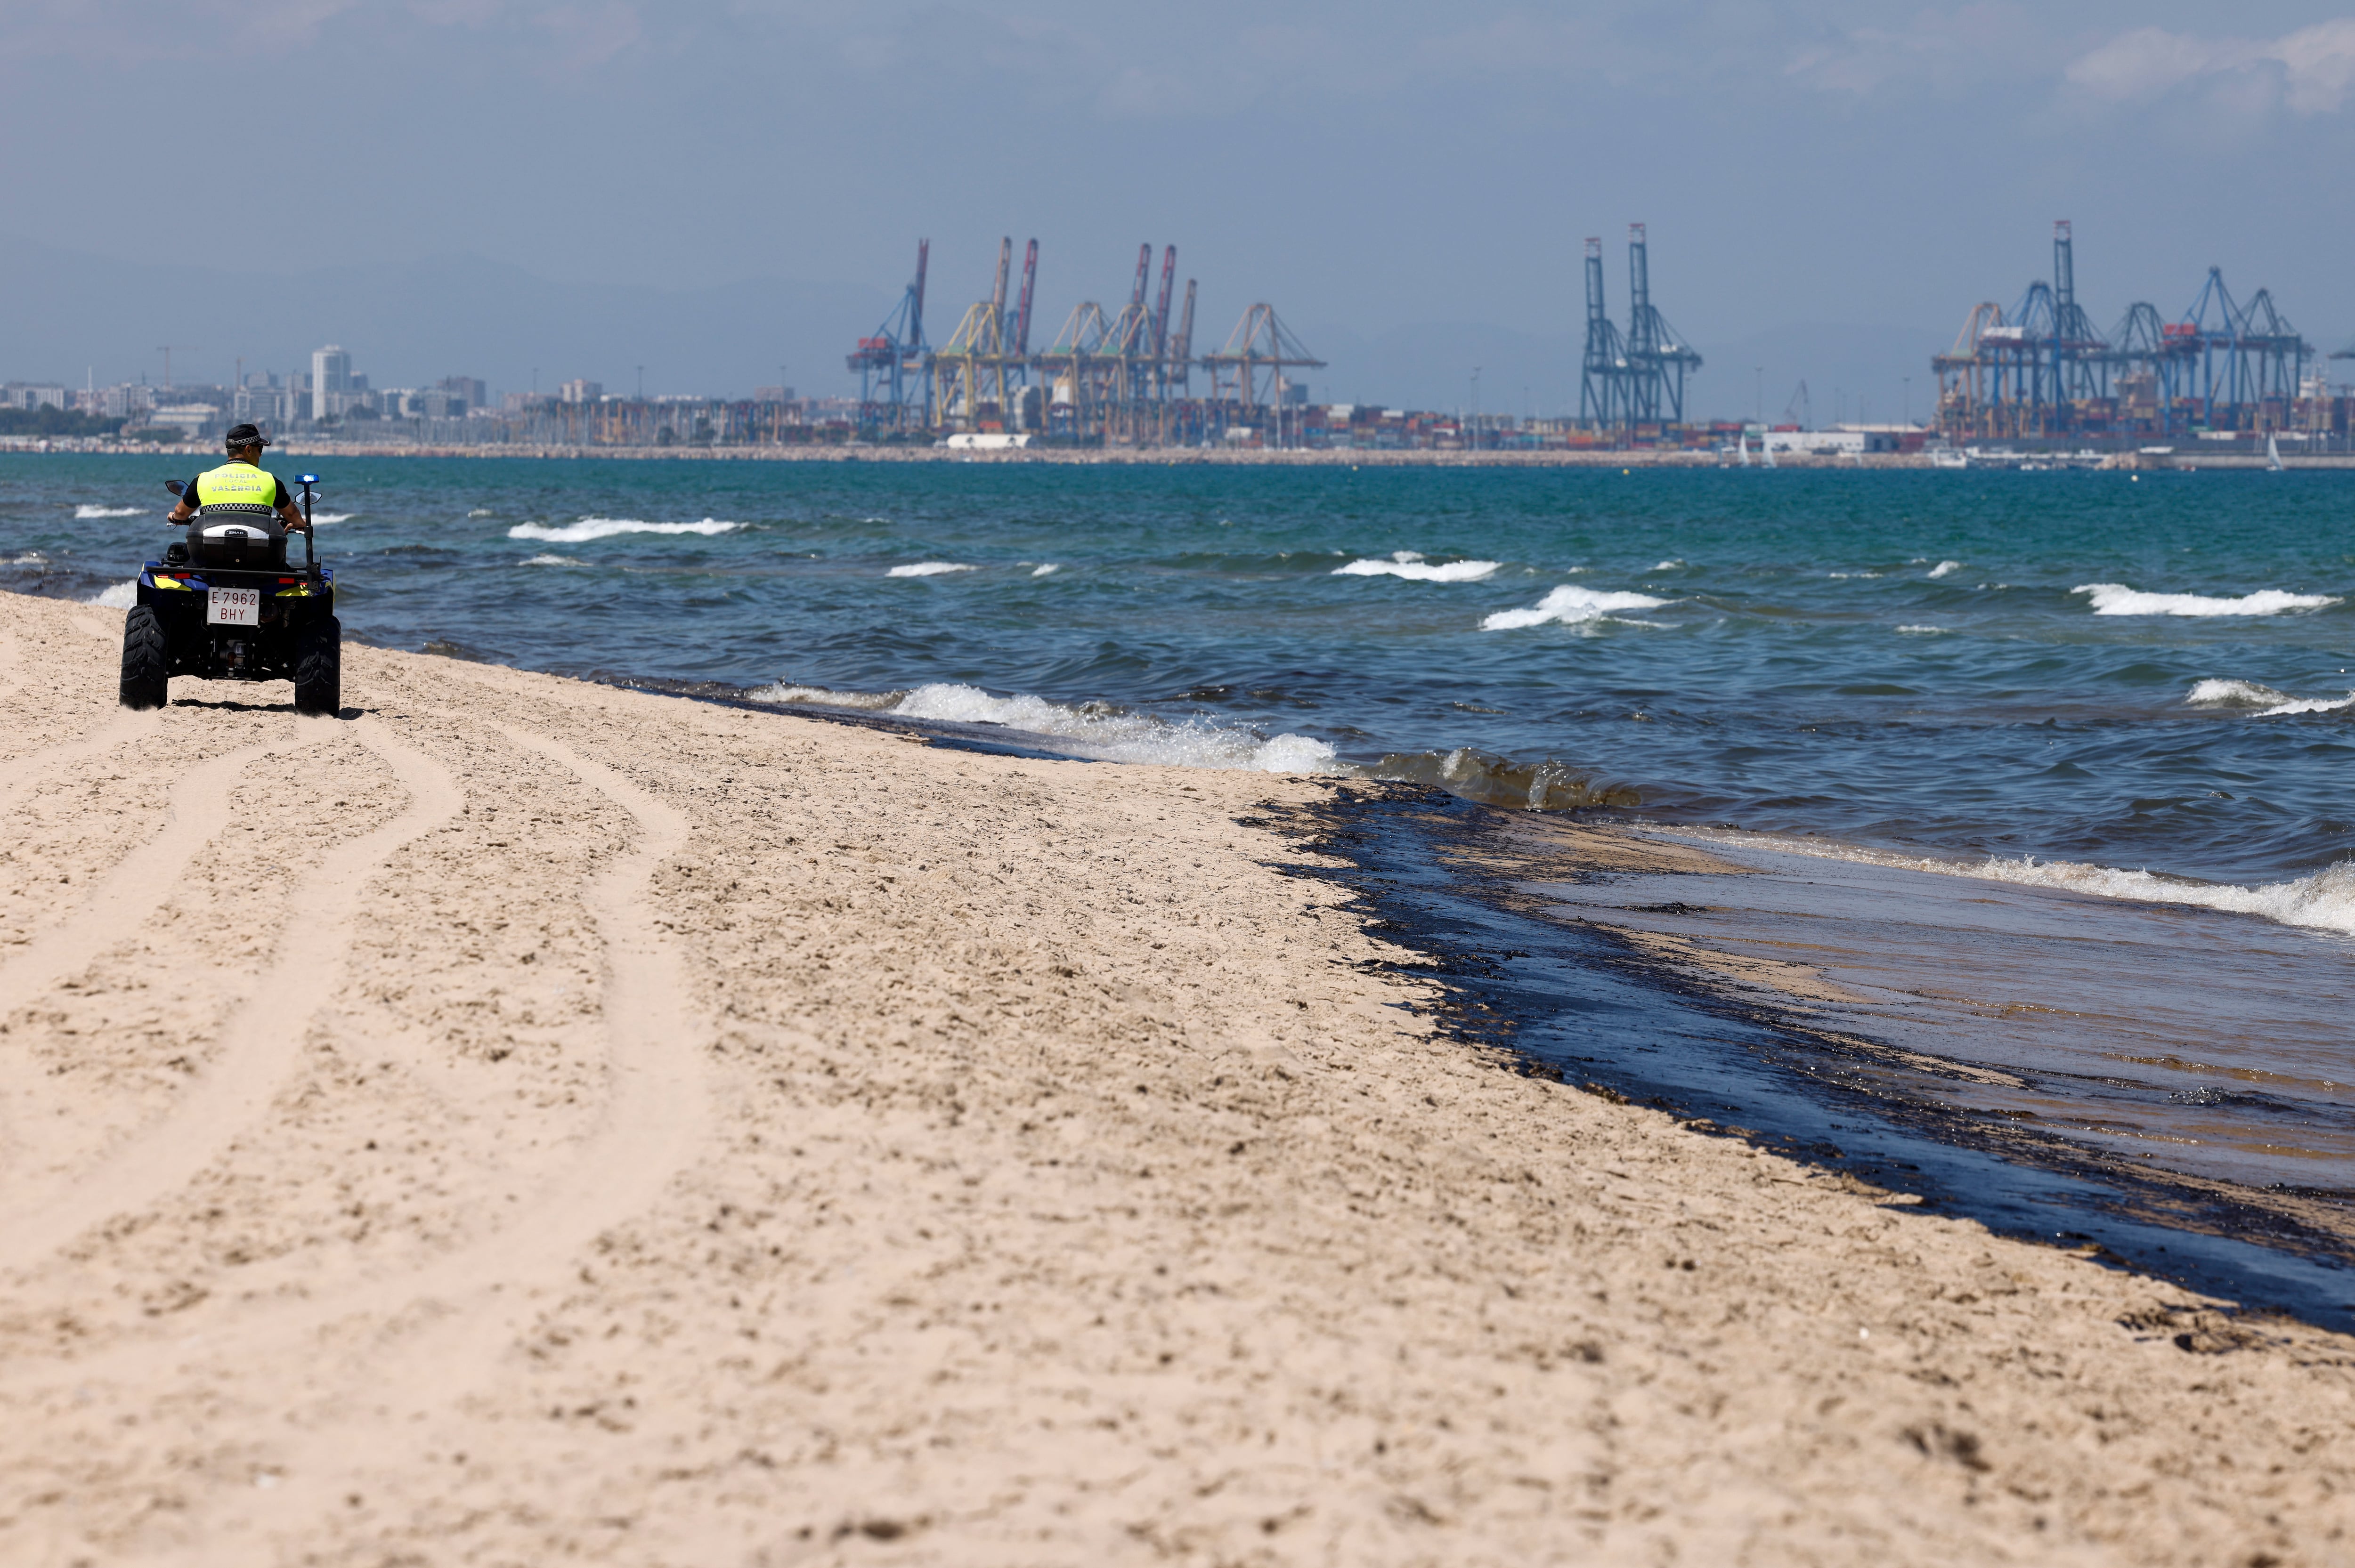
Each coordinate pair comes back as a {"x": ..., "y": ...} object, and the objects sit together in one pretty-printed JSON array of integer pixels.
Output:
[{"x": 241, "y": 481}]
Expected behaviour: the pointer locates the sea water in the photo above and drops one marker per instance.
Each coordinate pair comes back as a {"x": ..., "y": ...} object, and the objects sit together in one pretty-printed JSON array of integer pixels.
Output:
[
  {"x": 2142, "y": 673},
  {"x": 2128, "y": 691}
]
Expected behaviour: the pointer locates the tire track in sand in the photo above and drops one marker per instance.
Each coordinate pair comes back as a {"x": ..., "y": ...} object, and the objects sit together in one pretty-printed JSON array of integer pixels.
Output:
[
  {"x": 657, "y": 1102},
  {"x": 441, "y": 1329},
  {"x": 20, "y": 773},
  {"x": 142, "y": 880},
  {"x": 263, "y": 1036}
]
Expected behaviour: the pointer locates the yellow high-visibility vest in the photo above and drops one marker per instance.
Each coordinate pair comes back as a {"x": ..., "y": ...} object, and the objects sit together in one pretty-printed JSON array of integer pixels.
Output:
[{"x": 236, "y": 484}]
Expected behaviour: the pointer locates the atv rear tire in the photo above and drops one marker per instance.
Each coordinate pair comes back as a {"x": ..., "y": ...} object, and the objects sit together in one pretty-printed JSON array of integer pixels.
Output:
[
  {"x": 319, "y": 667},
  {"x": 146, "y": 659}
]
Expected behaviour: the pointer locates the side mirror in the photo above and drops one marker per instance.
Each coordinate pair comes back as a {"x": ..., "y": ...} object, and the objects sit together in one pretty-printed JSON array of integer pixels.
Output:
[{"x": 175, "y": 487}]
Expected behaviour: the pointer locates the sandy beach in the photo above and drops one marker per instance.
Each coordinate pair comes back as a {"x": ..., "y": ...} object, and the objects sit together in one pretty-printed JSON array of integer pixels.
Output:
[{"x": 524, "y": 1121}]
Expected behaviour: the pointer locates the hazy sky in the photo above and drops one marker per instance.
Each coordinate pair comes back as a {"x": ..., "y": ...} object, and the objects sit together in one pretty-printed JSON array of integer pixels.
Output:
[{"x": 1368, "y": 167}]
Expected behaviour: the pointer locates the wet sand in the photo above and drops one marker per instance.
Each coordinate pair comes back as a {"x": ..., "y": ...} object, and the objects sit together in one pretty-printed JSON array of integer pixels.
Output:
[{"x": 527, "y": 1121}]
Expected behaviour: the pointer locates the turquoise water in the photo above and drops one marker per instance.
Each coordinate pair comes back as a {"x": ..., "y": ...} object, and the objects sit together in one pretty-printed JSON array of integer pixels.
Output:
[{"x": 2144, "y": 673}]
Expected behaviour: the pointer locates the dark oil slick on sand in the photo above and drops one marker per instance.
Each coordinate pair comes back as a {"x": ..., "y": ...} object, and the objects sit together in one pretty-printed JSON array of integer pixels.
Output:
[{"x": 1526, "y": 927}]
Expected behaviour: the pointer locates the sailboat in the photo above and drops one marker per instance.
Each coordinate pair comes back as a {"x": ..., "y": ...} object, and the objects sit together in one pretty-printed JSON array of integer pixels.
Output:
[
  {"x": 1765, "y": 453},
  {"x": 2273, "y": 452},
  {"x": 1745, "y": 449}
]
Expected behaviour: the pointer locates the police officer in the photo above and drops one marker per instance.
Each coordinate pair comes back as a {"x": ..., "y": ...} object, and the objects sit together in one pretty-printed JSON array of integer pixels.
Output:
[{"x": 241, "y": 481}]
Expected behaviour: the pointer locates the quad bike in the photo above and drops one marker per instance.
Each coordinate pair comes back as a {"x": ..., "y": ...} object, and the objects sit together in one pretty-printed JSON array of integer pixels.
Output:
[{"x": 225, "y": 605}]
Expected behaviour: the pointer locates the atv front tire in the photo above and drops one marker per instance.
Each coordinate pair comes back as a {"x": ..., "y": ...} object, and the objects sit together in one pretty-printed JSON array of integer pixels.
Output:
[
  {"x": 146, "y": 659},
  {"x": 318, "y": 667}
]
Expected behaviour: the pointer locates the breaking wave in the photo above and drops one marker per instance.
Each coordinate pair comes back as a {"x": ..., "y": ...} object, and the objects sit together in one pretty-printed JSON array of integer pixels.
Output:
[
  {"x": 1942, "y": 568},
  {"x": 2267, "y": 702},
  {"x": 929, "y": 569},
  {"x": 1096, "y": 730},
  {"x": 1409, "y": 565},
  {"x": 117, "y": 596},
  {"x": 590, "y": 528},
  {"x": 85, "y": 512},
  {"x": 2117, "y": 598},
  {"x": 553, "y": 561},
  {"x": 333, "y": 517},
  {"x": 2324, "y": 901},
  {"x": 1049, "y": 569},
  {"x": 784, "y": 691},
  {"x": 1571, "y": 605},
  {"x": 1924, "y": 631}
]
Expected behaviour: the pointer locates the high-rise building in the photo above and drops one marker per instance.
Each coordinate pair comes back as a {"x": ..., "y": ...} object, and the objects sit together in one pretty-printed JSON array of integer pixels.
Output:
[
  {"x": 582, "y": 391},
  {"x": 260, "y": 403},
  {"x": 128, "y": 401},
  {"x": 331, "y": 379}
]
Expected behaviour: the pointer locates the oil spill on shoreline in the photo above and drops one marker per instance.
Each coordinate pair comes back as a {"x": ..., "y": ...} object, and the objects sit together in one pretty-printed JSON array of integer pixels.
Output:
[{"x": 1619, "y": 1013}]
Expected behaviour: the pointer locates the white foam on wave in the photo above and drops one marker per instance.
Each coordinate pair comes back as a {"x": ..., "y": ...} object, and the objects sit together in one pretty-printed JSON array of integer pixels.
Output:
[
  {"x": 1665, "y": 566},
  {"x": 554, "y": 561},
  {"x": 481, "y": 512},
  {"x": 333, "y": 517},
  {"x": 85, "y": 511},
  {"x": 1409, "y": 565},
  {"x": 929, "y": 569},
  {"x": 2234, "y": 694},
  {"x": 1924, "y": 631},
  {"x": 1846, "y": 576},
  {"x": 785, "y": 691},
  {"x": 2267, "y": 702},
  {"x": 1094, "y": 729},
  {"x": 1120, "y": 736},
  {"x": 29, "y": 558},
  {"x": 117, "y": 596},
  {"x": 2324, "y": 901},
  {"x": 1049, "y": 569},
  {"x": 590, "y": 528},
  {"x": 2117, "y": 598},
  {"x": 2310, "y": 706},
  {"x": 1942, "y": 568},
  {"x": 1569, "y": 604}
]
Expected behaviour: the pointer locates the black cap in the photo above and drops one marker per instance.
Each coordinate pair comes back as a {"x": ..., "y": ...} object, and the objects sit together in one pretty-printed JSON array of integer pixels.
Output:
[{"x": 244, "y": 436}]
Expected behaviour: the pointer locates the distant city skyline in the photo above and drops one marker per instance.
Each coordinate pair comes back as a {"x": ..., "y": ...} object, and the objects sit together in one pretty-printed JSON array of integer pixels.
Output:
[{"x": 506, "y": 325}]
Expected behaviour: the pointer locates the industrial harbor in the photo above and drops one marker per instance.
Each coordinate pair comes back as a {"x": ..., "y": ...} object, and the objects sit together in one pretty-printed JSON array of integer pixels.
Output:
[
  {"x": 2223, "y": 370},
  {"x": 2035, "y": 383},
  {"x": 2224, "y": 382},
  {"x": 1126, "y": 376}
]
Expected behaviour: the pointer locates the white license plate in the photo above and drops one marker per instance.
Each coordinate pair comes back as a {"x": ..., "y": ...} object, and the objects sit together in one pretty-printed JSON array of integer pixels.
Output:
[{"x": 233, "y": 607}]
